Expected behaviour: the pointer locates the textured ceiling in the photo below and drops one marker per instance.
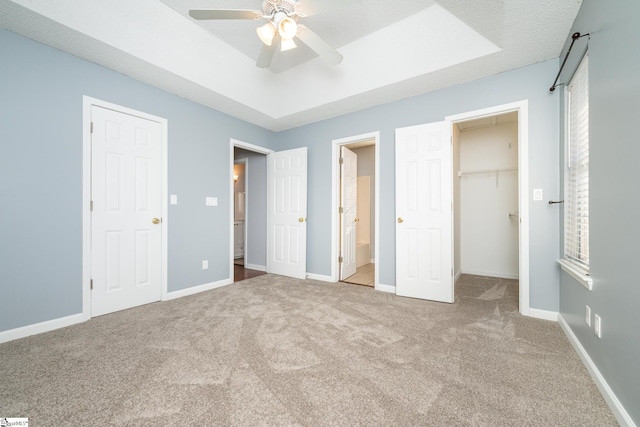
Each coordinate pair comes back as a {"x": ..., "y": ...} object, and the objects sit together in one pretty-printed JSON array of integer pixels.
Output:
[{"x": 391, "y": 50}]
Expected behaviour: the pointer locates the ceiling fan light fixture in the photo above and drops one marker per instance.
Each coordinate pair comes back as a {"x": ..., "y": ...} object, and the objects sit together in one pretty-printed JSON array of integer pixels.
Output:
[
  {"x": 287, "y": 44},
  {"x": 266, "y": 33},
  {"x": 287, "y": 28}
]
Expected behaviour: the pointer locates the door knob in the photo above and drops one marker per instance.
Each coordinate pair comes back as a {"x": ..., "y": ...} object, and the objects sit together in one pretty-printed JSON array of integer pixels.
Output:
[
  {"x": 302, "y": 219},
  {"x": 357, "y": 220},
  {"x": 156, "y": 220},
  {"x": 400, "y": 220}
]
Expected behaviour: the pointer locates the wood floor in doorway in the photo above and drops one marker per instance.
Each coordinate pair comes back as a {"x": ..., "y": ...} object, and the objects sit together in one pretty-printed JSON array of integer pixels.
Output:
[
  {"x": 240, "y": 273},
  {"x": 365, "y": 276}
]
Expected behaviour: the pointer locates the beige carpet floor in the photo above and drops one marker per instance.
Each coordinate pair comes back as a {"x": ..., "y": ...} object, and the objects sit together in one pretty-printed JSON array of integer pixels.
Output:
[{"x": 277, "y": 351}]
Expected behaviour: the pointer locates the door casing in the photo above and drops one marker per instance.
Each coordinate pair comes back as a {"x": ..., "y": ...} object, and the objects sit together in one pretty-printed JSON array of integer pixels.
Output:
[
  {"x": 335, "y": 203},
  {"x": 522, "y": 107},
  {"x": 234, "y": 143}
]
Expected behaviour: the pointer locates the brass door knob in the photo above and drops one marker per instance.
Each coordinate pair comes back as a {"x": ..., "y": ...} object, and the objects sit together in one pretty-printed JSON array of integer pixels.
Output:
[
  {"x": 357, "y": 220},
  {"x": 400, "y": 220},
  {"x": 156, "y": 220},
  {"x": 302, "y": 219}
]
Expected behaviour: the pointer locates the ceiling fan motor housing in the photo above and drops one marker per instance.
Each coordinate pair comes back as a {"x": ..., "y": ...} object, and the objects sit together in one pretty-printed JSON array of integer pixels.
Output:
[{"x": 271, "y": 7}]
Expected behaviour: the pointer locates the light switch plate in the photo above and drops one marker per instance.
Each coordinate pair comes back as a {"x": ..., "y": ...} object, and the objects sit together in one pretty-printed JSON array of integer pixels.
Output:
[
  {"x": 211, "y": 201},
  {"x": 173, "y": 199},
  {"x": 597, "y": 325},
  {"x": 537, "y": 194}
]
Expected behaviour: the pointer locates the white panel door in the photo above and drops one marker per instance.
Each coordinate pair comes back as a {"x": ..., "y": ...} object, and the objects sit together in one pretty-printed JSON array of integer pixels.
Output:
[
  {"x": 348, "y": 218},
  {"x": 424, "y": 212},
  {"x": 126, "y": 235},
  {"x": 287, "y": 213}
]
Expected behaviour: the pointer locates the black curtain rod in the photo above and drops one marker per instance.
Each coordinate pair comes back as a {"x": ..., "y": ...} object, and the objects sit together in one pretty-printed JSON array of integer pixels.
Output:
[{"x": 574, "y": 37}]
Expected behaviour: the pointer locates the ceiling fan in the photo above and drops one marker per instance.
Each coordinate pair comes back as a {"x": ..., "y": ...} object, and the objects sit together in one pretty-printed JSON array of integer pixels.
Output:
[{"x": 282, "y": 26}]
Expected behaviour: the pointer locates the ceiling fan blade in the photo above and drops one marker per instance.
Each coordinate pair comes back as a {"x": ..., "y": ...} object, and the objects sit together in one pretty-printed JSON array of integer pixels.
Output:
[
  {"x": 313, "y": 7},
  {"x": 319, "y": 46},
  {"x": 267, "y": 53},
  {"x": 225, "y": 14}
]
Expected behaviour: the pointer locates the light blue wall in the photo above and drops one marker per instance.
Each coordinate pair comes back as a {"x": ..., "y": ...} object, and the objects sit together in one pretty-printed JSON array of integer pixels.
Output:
[
  {"x": 43, "y": 165},
  {"x": 41, "y": 92},
  {"x": 614, "y": 108},
  {"x": 256, "y": 238},
  {"x": 530, "y": 83}
]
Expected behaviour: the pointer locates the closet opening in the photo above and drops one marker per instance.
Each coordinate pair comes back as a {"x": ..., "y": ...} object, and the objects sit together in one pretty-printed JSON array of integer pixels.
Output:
[{"x": 486, "y": 226}]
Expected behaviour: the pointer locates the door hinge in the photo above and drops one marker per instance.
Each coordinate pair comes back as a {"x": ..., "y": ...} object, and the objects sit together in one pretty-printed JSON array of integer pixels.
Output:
[
  {"x": 340, "y": 259},
  {"x": 91, "y": 206},
  {"x": 91, "y": 127},
  {"x": 91, "y": 284},
  {"x": 341, "y": 209},
  {"x": 341, "y": 160}
]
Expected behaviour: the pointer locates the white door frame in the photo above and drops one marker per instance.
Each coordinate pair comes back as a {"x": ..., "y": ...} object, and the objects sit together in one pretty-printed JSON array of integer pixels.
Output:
[
  {"x": 522, "y": 107},
  {"x": 87, "y": 103},
  {"x": 335, "y": 198},
  {"x": 234, "y": 143}
]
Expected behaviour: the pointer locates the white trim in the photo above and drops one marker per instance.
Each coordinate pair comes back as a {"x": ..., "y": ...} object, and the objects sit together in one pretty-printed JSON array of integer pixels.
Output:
[
  {"x": 543, "y": 314},
  {"x": 254, "y": 266},
  {"x": 386, "y": 288},
  {"x": 87, "y": 103},
  {"x": 335, "y": 194},
  {"x": 523, "y": 185},
  {"x": 233, "y": 143},
  {"x": 39, "y": 328},
  {"x": 576, "y": 272},
  {"x": 621, "y": 414},
  {"x": 197, "y": 289},
  {"x": 457, "y": 276},
  {"x": 321, "y": 277}
]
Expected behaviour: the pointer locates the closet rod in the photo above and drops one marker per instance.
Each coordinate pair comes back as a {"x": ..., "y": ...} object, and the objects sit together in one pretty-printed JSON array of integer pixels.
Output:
[{"x": 574, "y": 37}]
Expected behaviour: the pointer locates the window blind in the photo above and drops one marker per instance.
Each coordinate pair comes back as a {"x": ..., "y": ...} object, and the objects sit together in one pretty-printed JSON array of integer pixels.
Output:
[{"x": 577, "y": 173}]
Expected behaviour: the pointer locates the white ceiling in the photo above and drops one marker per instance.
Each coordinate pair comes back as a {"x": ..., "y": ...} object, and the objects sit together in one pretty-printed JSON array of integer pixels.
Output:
[{"x": 392, "y": 50}]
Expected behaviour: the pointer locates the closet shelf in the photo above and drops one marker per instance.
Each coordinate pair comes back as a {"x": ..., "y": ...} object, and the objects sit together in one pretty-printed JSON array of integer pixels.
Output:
[{"x": 485, "y": 171}]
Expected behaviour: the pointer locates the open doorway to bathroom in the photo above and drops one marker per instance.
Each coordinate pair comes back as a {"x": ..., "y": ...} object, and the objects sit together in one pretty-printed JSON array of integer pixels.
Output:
[{"x": 356, "y": 217}]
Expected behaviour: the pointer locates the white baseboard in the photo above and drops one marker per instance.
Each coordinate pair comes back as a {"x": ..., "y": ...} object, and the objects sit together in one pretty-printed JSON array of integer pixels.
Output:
[
  {"x": 372, "y": 261},
  {"x": 457, "y": 276},
  {"x": 197, "y": 289},
  {"x": 490, "y": 274},
  {"x": 543, "y": 314},
  {"x": 621, "y": 414},
  {"x": 320, "y": 277},
  {"x": 386, "y": 288},
  {"x": 38, "y": 328},
  {"x": 255, "y": 267}
]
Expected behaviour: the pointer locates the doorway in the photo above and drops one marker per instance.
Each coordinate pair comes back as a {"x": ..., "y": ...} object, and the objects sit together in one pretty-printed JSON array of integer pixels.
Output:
[
  {"x": 248, "y": 210},
  {"x": 504, "y": 175},
  {"x": 355, "y": 198},
  {"x": 485, "y": 200}
]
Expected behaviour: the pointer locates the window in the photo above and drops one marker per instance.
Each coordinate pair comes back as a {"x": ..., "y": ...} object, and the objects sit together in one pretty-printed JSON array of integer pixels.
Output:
[{"x": 576, "y": 220}]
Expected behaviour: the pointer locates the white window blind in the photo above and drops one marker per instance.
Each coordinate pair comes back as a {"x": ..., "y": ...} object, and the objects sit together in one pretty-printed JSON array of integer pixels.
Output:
[{"x": 576, "y": 242}]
